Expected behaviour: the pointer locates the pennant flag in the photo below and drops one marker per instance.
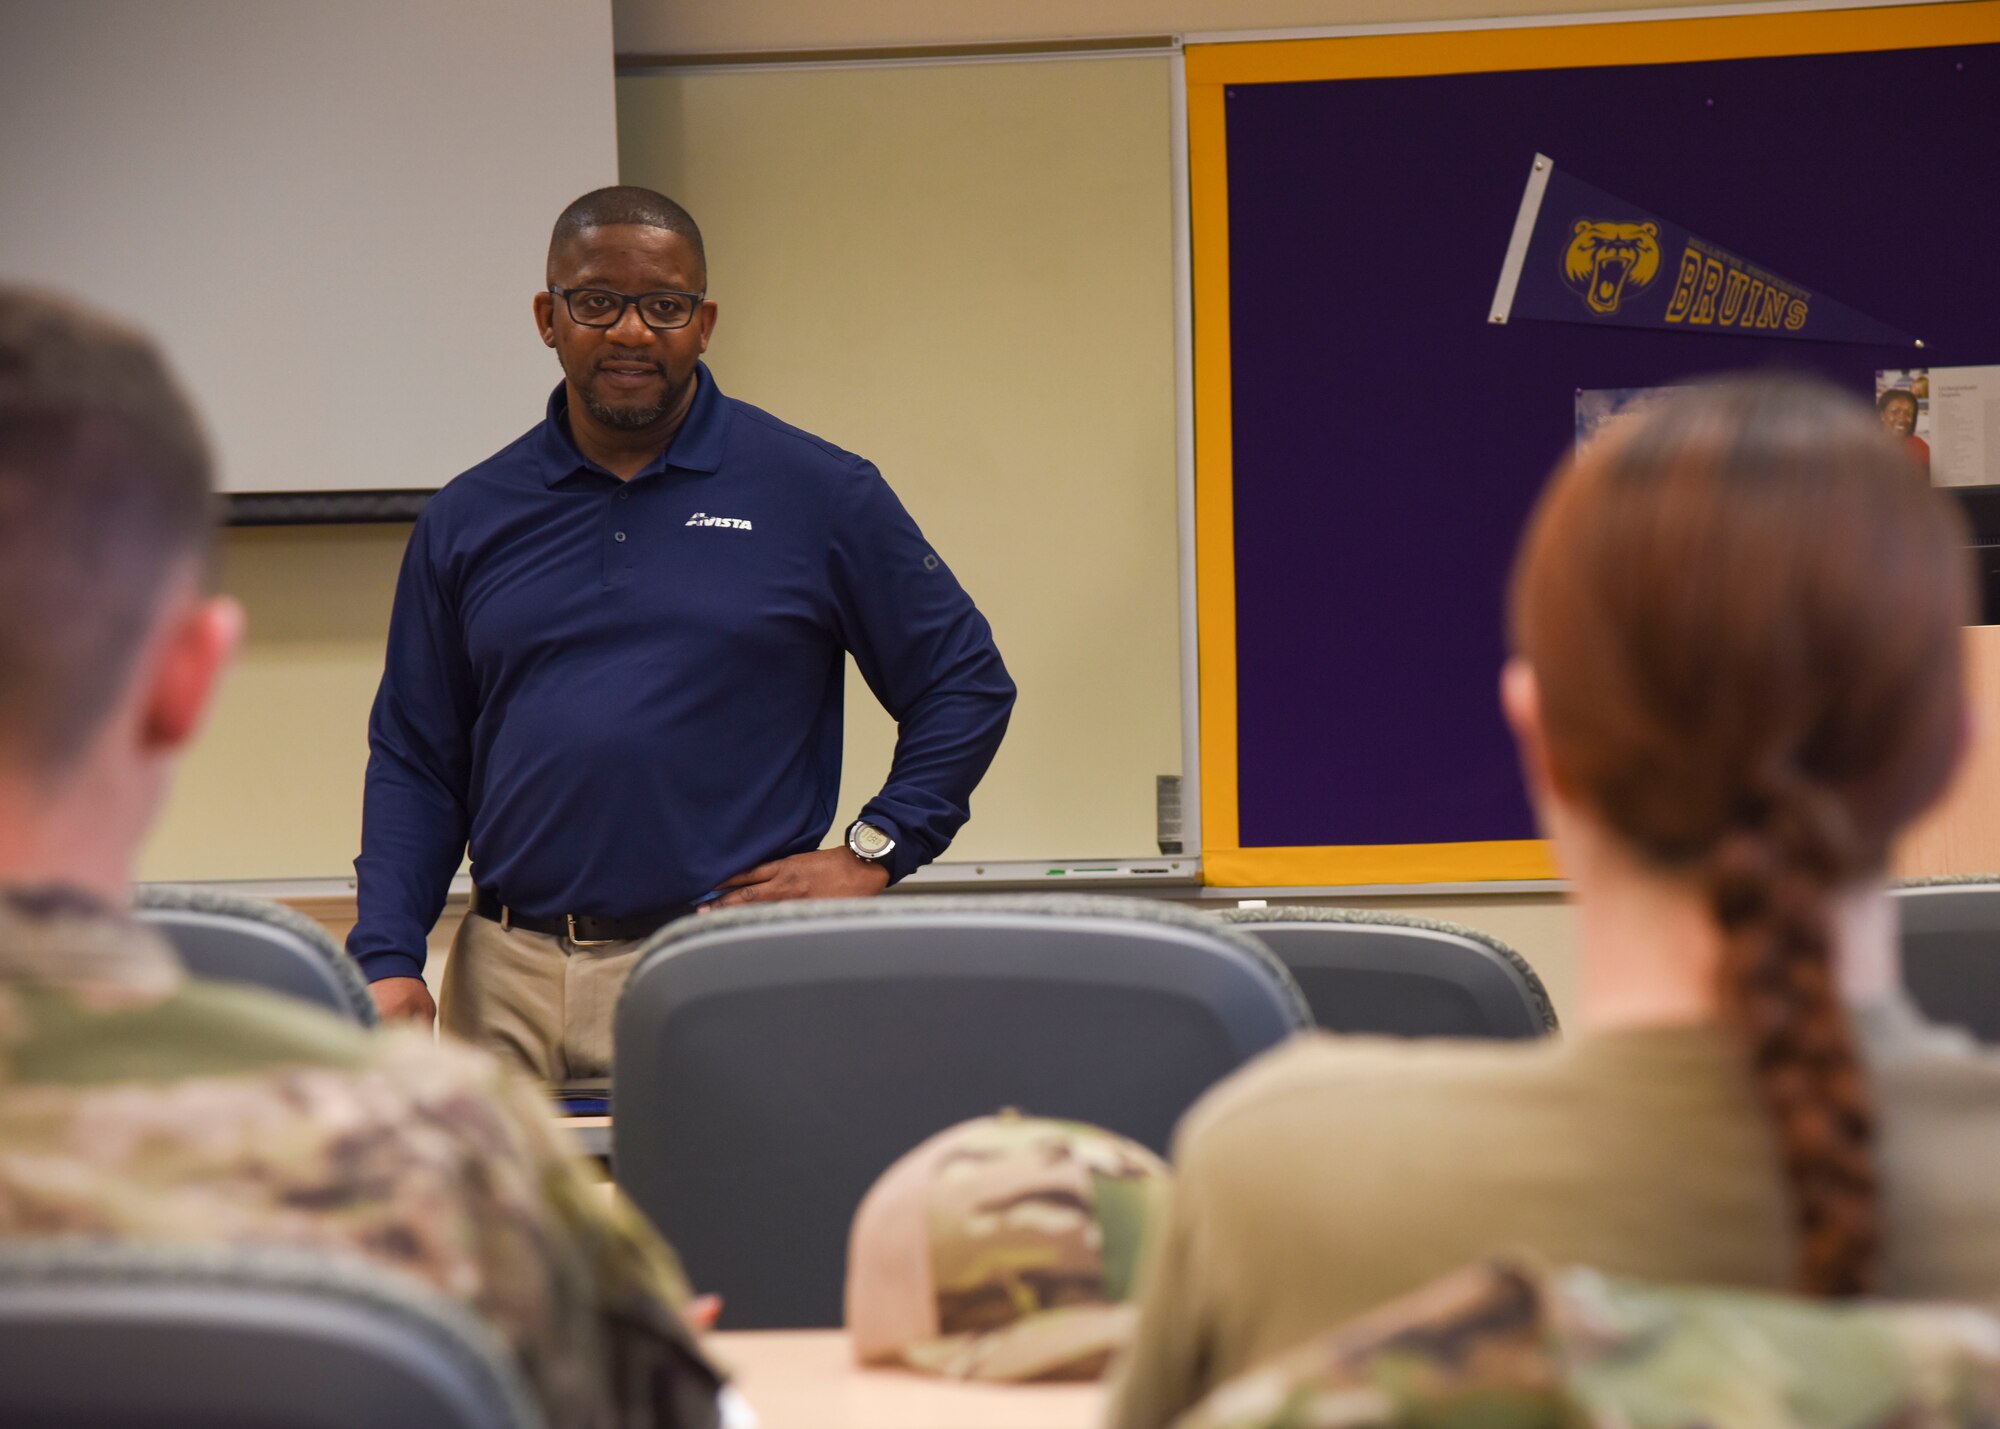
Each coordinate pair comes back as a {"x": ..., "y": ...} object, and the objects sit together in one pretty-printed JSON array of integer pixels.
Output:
[{"x": 1579, "y": 255}]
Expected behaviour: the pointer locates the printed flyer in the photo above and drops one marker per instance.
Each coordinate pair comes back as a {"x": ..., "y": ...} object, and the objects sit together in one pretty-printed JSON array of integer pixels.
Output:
[
  {"x": 1950, "y": 416},
  {"x": 1601, "y": 407}
]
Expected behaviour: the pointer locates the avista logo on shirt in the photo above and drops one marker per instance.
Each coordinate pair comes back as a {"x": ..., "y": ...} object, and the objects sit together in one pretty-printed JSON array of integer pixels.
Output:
[{"x": 702, "y": 518}]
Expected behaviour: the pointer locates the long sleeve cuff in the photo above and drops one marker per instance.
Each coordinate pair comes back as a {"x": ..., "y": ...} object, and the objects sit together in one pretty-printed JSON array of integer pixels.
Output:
[
  {"x": 385, "y": 964},
  {"x": 385, "y": 941},
  {"x": 905, "y": 858}
]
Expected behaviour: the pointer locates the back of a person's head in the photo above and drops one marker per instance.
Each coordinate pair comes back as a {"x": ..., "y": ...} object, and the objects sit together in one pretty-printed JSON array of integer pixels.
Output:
[
  {"x": 104, "y": 497},
  {"x": 1743, "y": 613}
]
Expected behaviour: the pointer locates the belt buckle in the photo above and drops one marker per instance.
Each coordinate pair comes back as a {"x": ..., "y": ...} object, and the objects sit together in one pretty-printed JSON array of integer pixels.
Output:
[{"x": 576, "y": 942}]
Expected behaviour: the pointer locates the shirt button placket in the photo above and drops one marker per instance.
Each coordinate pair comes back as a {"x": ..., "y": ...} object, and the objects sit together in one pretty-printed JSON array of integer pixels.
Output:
[
  {"x": 619, "y": 555},
  {"x": 628, "y": 527}
]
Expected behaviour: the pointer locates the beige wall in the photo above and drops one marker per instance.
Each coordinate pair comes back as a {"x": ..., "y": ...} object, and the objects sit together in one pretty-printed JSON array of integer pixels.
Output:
[
  {"x": 1962, "y": 834},
  {"x": 964, "y": 273},
  {"x": 669, "y": 27},
  {"x": 273, "y": 790}
]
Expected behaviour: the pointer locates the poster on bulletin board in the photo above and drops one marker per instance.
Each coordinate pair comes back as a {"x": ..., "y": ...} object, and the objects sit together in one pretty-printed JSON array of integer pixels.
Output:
[
  {"x": 1579, "y": 255},
  {"x": 1369, "y": 440},
  {"x": 1950, "y": 416}
]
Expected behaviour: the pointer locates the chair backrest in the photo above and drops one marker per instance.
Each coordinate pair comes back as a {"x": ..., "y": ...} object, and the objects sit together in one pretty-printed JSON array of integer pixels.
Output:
[
  {"x": 1951, "y": 950},
  {"x": 99, "y": 1335},
  {"x": 771, "y": 1063},
  {"x": 1392, "y": 975},
  {"x": 230, "y": 938}
]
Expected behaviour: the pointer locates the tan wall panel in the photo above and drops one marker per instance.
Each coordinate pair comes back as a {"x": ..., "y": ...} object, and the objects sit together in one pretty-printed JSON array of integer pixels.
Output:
[
  {"x": 672, "y": 27},
  {"x": 1962, "y": 834},
  {"x": 964, "y": 274},
  {"x": 273, "y": 789}
]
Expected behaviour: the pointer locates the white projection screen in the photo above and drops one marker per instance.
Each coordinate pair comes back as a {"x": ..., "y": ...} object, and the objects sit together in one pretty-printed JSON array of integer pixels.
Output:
[{"x": 334, "y": 216}]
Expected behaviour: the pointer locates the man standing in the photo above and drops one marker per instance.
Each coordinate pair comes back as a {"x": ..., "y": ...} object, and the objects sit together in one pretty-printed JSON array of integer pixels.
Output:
[
  {"x": 615, "y": 667},
  {"x": 137, "y": 1104}
]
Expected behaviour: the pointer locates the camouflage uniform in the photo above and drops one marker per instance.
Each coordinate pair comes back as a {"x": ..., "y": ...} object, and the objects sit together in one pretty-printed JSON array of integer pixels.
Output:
[
  {"x": 1508, "y": 1345},
  {"x": 1003, "y": 1248},
  {"x": 140, "y": 1105},
  {"x": 1336, "y": 1173}
]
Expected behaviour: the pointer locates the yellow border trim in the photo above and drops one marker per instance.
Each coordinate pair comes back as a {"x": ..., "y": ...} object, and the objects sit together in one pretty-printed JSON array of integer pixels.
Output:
[
  {"x": 1209, "y": 67},
  {"x": 1498, "y": 860},
  {"x": 1728, "y": 37},
  {"x": 1214, "y": 457}
]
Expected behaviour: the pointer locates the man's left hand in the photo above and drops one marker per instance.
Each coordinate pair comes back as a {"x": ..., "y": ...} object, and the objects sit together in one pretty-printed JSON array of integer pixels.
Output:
[{"x": 824, "y": 873}]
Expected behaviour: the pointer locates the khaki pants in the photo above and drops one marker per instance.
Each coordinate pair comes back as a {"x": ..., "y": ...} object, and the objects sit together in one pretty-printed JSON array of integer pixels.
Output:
[{"x": 536, "y": 1001}]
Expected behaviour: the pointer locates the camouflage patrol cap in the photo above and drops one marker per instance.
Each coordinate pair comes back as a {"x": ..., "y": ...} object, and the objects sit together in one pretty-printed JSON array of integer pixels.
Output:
[{"x": 1003, "y": 1248}]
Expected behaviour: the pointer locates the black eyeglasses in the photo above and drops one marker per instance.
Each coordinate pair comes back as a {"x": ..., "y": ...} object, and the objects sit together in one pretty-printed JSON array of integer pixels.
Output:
[{"x": 600, "y": 307}]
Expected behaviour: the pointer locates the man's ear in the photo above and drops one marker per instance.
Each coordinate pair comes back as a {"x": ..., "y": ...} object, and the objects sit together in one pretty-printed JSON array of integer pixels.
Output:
[
  {"x": 545, "y": 317},
  {"x": 186, "y": 668},
  {"x": 706, "y": 315}
]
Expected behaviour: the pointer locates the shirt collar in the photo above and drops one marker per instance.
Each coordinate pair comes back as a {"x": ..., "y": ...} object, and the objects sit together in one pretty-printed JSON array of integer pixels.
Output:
[
  {"x": 697, "y": 446},
  {"x": 60, "y": 935}
]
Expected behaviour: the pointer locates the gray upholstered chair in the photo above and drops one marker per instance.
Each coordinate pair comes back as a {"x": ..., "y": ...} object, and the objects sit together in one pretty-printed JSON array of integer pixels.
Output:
[
  {"x": 1951, "y": 950},
  {"x": 771, "y": 1062},
  {"x": 231, "y": 938},
  {"x": 1393, "y": 975},
  {"x": 113, "y": 1336}
]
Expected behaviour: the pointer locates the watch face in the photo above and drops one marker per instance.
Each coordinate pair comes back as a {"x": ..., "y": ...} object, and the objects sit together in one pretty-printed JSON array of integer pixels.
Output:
[{"x": 869, "y": 841}]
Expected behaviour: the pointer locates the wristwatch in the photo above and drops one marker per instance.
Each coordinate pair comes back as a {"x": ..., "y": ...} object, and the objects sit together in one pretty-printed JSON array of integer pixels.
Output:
[{"x": 868, "y": 843}]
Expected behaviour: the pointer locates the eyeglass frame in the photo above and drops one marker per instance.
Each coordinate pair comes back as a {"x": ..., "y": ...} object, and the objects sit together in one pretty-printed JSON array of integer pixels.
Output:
[{"x": 628, "y": 301}]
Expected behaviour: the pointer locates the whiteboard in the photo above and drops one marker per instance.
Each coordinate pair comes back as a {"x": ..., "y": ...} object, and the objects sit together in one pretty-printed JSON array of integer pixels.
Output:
[{"x": 333, "y": 215}]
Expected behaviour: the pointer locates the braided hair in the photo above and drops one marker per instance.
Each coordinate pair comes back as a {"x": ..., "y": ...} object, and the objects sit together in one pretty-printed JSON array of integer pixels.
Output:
[{"x": 1743, "y": 610}]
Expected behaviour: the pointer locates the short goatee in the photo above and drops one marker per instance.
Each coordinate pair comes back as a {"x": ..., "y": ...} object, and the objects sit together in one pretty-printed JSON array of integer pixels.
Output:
[{"x": 625, "y": 419}]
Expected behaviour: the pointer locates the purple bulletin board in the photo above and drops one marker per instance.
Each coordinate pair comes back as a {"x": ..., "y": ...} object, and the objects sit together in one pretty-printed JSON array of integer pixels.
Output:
[{"x": 1368, "y": 444}]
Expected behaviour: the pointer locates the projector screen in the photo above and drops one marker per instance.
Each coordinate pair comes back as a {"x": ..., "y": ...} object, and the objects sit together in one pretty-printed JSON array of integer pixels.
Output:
[{"x": 333, "y": 216}]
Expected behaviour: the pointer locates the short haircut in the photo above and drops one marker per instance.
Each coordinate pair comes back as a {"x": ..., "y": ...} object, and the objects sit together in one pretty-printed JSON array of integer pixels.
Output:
[
  {"x": 1897, "y": 394},
  {"x": 626, "y": 205},
  {"x": 104, "y": 494}
]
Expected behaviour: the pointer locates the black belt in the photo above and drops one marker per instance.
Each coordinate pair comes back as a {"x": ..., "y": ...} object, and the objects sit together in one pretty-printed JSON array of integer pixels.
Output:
[{"x": 580, "y": 929}]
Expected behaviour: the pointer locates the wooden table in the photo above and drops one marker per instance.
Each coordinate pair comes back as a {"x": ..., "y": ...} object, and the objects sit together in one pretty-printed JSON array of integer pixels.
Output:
[{"x": 807, "y": 1379}]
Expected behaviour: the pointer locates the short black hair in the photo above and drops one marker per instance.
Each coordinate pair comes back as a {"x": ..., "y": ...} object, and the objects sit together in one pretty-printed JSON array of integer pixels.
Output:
[
  {"x": 623, "y": 205},
  {"x": 1897, "y": 394},
  {"x": 105, "y": 491}
]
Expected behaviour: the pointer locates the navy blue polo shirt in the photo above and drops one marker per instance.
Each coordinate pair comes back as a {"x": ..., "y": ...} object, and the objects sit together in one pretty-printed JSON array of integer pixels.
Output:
[{"x": 620, "y": 693}]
